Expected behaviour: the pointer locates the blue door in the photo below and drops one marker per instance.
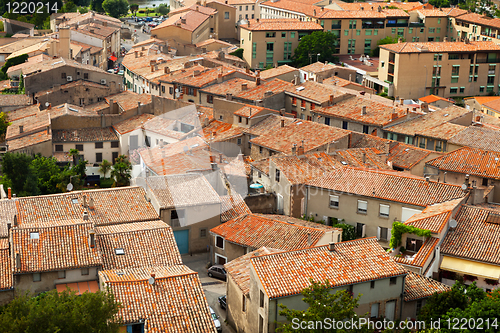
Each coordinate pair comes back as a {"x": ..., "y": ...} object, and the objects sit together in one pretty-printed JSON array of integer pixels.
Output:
[{"x": 182, "y": 240}]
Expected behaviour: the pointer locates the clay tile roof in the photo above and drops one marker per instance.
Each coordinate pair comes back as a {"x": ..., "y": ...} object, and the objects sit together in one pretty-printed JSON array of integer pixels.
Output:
[
  {"x": 288, "y": 273},
  {"x": 434, "y": 98},
  {"x": 478, "y": 137},
  {"x": 35, "y": 123},
  {"x": 232, "y": 206},
  {"x": 174, "y": 303},
  {"x": 295, "y": 6},
  {"x": 418, "y": 287},
  {"x": 73, "y": 84},
  {"x": 454, "y": 12},
  {"x": 373, "y": 14},
  {"x": 97, "y": 30},
  {"x": 56, "y": 248},
  {"x": 367, "y": 6},
  {"x": 417, "y": 47},
  {"x": 7, "y": 212},
  {"x": 313, "y": 134},
  {"x": 493, "y": 104},
  {"x": 471, "y": 161},
  {"x": 340, "y": 82},
  {"x": 275, "y": 86},
  {"x": 318, "y": 67},
  {"x": 213, "y": 41},
  {"x": 23, "y": 112},
  {"x": 286, "y": 233},
  {"x": 84, "y": 135},
  {"x": 232, "y": 86},
  {"x": 434, "y": 217},
  {"x": 392, "y": 186},
  {"x": 19, "y": 23},
  {"x": 262, "y": 165},
  {"x": 133, "y": 123},
  {"x": 484, "y": 99},
  {"x": 420, "y": 258},
  {"x": 179, "y": 191},
  {"x": 193, "y": 20},
  {"x": 6, "y": 281},
  {"x": 128, "y": 100},
  {"x": 51, "y": 64},
  {"x": 274, "y": 72},
  {"x": 377, "y": 114},
  {"x": 14, "y": 100},
  {"x": 218, "y": 131},
  {"x": 195, "y": 7},
  {"x": 239, "y": 268},
  {"x": 480, "y": 20},
  {"x": 269, "y": 124},
  {"x": 204, "y": 78},
  {"x": 406, "y": 156},
  {"x": 281, "y": 24},
  {"x": 111, "y": 206},
  {"x": 432, "y": 12},
  {"x": 134, "y": 238},
  {"x": 443, "y": 131},
  {"x": 29, "y": 140},
  {"x": 313, "y": 91},
  {"x": 474, "y": 238},
  {"x": 250, "y": 111}
]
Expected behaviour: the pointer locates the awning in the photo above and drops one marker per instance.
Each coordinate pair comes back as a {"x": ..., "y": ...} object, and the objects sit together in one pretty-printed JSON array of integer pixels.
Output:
[
  {"x": 469, "y": 267},
  {"x": 112, "y": 58},
  {"x": 79, "y": 287}
]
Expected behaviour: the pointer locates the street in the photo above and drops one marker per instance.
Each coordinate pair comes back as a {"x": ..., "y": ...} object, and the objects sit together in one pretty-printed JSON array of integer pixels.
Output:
[{"x": 212, "y": 287}]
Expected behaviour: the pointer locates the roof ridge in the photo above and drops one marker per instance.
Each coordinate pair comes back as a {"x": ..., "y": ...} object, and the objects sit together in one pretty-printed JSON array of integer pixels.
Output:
[{"x": 156, "y": 279}]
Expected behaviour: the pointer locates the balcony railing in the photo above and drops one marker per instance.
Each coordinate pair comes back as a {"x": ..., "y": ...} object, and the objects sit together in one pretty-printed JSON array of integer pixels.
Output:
[
  {"x": 488, "y": 61},
  {"x": 395, "y": 25},
  {"x": 372, "y": 26},
  {"x": 336, "y": 26},
  {"x": 417, "y": 24}
]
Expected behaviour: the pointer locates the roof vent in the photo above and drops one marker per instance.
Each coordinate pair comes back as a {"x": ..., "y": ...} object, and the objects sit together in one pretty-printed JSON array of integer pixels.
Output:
[
  {"x": 331, "y": 246},
  {"x": 85, "y": 216}
]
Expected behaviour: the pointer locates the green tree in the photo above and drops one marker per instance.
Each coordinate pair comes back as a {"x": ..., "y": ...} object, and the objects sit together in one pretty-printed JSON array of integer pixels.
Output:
[
  {"x": 134, "y": 8},
  {"x": 74, "y": 153},
  {"x": 105, "y": 167},
  {"x": 319, "y": 42},
  {"x": 18, "y": 175},
  {"x": 4, "y": 123},
  {"x": 459, "y": 297},
  {"x": 47, "y": 172},
  {"x": 21, "y": 90},
  {"x": 121, "y": 171},
  {"x": 348, "y": 231},
  {"x": 69, "y": 7},
  {"x": 323, "y": 303},
  {"x": 96, "y": 5},
  {"x": 238, "y": 53},
  {"x": 384, "y": 41},
  {"x": 79, "y": 171},
  {"x": 61, "y": 312},
  {"x": 115, "y": 8},
  {"x": 163, "y": 9}
]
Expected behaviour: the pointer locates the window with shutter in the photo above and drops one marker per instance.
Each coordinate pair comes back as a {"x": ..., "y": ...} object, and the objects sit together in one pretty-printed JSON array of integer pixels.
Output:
[
  {"x": 334, "y": 201},
  {"x": 362, "y": 207},
  {"x": 194, "y": 92},
  {"x": 384, "y": 210}
]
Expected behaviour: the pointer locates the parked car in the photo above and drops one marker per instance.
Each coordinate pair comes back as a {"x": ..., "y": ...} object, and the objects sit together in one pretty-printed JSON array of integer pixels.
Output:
[
  {"x": 217, "y": 271},
  {"x": 222, "y": 302},
  {"x": 215, "y": 317}
]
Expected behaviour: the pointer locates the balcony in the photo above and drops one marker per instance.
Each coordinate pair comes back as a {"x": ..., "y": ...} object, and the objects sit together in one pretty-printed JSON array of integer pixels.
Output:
[
  {"x": 488, "y": 61},
  {"x": 417, "y": 24},
  {"x": 397, "y": 25},
  {"x": 336, "y": 26}
]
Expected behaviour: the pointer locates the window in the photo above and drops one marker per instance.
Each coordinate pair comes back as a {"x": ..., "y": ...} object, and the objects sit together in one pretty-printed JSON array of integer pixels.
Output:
[
  {"x": 491, "y": 79},
  {"x": 98, "y": 157},
  {"x": 219, "y": 242},
  {"x": 270, "y": 34},
  {"x": 85, "y": 271},
  {"x": 283, "y": 35},
  {"x": 422, "y": 143},
  {"x": 246, "y": 7},
  {"x": 119, "y": 251},
  {"x": 439, "y": 21},
  {"x": 360, "y": 229},
  {"x": 352, "y": 24},
  {"x": 98, "y": 145},
  {"x": 374, "y": 310},
  {"x": 292, "y": 34},
  {"x": 61, "y": 274},
  {"x": 171, "y": 90},
  {"x": 393, "y": 280},
  {"x": 327, "y": 121},
  {"x": 243, "y": 303},
  {"x": 375, "y": 32},
  {"x": 79, "y": 147},
  {"x": 59, "y": 147},
  {"x": 413, "y": 244},
  {"x": 303, "y": 103},
  {"x": 438, "y": 30},
  {"x": 455, "y": 70},
  {"x": 86, "y": 76},
  {"x": 37, "y": 277},
  {"x": 277, "y": 175},
  {"x": 453, "y": 90},
  {"x": 115, "y": 144},
  {"x": 384, "y": 210},
  {"x": 481, "y": 89},
  {"x": 382, "y": 233},
  {"x": 163, "y": 89},
  {"x": 226, "y": 15},
  {"x": 203, "y": 232},
  {"x": 344, "y": 124},
  {"x": 334, "y": 201},
  {"x": 432, "y": 30},
  {"x": 260, "y": 150},
  {"x": 418, "y": 306},
  {"x": 358, "y": 32},
  {"x": 63, "y": 75},
  {"x": 401, "y": 31},
  {"x": 362, "y": 207},
  {"x": 346, "y": 32},
  {"x": 114, "y": 156},
  {"x": 368, "y": 32},
  {"x": 241, "y": 8},
  {"x": 392, "y": 136},
  {"x": 210, "y": 99},
  {"x": 239, "y": 141},
  {"x": 393, "y": 30},
  {"x": 372, "y": 284},
  {"x": 365, "y": 129},
  {"x": 261, "y": 302}
]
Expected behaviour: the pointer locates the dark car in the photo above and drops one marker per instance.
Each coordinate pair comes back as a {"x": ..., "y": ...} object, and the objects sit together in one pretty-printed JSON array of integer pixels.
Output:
[
  {"x": 217, "y": 271},
  {"x": 222, "y": 302}
]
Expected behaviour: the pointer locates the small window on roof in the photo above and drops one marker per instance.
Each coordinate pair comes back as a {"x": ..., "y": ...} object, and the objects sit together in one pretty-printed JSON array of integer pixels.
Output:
[
  {"x": 119, "y": 251},
  {"x": 34, "y": 235},
  {"x": 74, "y": 200}
]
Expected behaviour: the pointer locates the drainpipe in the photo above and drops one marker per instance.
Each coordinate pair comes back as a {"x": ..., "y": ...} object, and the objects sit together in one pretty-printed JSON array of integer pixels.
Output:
[
  {"x": 402, "y": 297},
  {"x": 305, "y": 200}
]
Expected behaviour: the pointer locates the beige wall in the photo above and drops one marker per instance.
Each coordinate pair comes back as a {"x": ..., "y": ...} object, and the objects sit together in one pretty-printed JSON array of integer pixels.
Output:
[
  {"x": 226, "y": 26},
  {"x": 79, "y": 95},
  {"x": 236, "y": 317},
  {"x": 231, "y": 251},
  {"x": 89, "y": 151}
]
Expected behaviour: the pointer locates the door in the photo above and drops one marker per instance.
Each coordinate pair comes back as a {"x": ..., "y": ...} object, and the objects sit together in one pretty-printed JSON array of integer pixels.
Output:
[
  {"x": 182, "y": 240},
  {"x": 280, "y": 204},
  {"x": 390, "y": 308}
]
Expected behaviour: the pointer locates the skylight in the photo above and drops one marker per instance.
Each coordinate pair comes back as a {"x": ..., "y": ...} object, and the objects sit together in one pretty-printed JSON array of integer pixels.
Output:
[
  {"x": 344, "y": 162},
  {"x": 74, "y": 200},
  {"x": 298, "y": 123},
  {"x": 447, "y": 114},
  {"x": 300, "y": 88},
  {"x": 119, "y": 251},
  {"x": 57, "y": 62},
  {"x": 34, "y": 235}
]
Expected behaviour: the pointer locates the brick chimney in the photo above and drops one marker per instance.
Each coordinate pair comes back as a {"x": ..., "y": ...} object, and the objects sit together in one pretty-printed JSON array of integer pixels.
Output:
[
  {"x": 294, "y": 147},
  {"x": 300, "y": 149},
  {"x": 9, "y": 193},
  {"x": 136, "y": 53},
  {"x": 91, "y": 238},
  {"x": 166, "y": 70},
  {"x": 331, "y": 100},
  {"x": 244, "y": 86},
  {"x": 363, "y": 110},
  {"x": 282, "y": 122},
  {"x": 331, "y": 246}
]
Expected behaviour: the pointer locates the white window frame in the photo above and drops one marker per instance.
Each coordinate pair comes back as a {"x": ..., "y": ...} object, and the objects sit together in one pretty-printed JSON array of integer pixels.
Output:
[
  {"x": 218, "y": 255},
  {"x": 334, "y": 198},
  {"x": 381, "y": 214},
  {"x": 363, "y": 203},
  {"x": 379, "y": 233},
  {"x": 223, "y": 242}
]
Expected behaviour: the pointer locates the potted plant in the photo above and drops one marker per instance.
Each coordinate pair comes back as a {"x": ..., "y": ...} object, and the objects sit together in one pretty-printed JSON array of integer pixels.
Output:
[
  {"x": 491, "y": 282},
  {"x": 470, "y": 278}
]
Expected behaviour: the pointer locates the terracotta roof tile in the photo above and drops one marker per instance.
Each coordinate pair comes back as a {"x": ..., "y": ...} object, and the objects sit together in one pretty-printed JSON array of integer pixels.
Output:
[
  {"x": 419, "y": 259},
  {"x": 45, "y": 254},
  {"x": 128, "y": 100},
  {"x": 288, "y": 273},
  {"x": 481, "y": 137},
  {"x": 29, "y": 140},
  {"x": 434, "y": 217},
  {"x": 218, "y": 131},
  {"x": 474, "y": 238},
  {"x": 417, "y": 47},
  {"x": 294, "y": 6},
  {"x": 318, "y": 67},
  {"x": 406, "y": 156},
  {"x": 443, "y": 131},
  {"x": 250, "y": 111},
  {"x": 478, "y": 19},
  {"x": 6, "y": 281},
  {"x": 339, "y": 14},
  {"x": 174, "y": 303},
  {"x": 14, "y": 100},
  {"x": 51, "y": 64},
  {"x": 340, "y": 82},
  {"x": 91, "y": 134},
  {"x": 193, "y": 20},
  {"x": 387, "y": 185},
  {"x": 313, "y": 91},
  {"x": 239, "y": 268},
  {"x": 35, "y": 123},
  {"x": 232, "y": 86},
  {"x": 432, "y": 12},
  {"x": 7, "y": 212},
  {"x": 195, "y": 7},
  {"x": 232, "y": 206},
  {"x": 469, "y": 161},
  {"x": 275, "y": 86},
  {"x": 484, "y": 99},
  {"x": 133, "y": 123},
  {"x": 179, "y": 191},
  {"x": 269, "y": 124},
  {"x": 72, "y": 85},
  {"x": 281, "y": 24},
  {"x": 418, "y": 287},
  {"x": 274, "y": 72},
  {"x": 434, "y": 98},
  {"x": 204, "y": 78},
  {"x": 366, "y": 6},
  {"x": 135, "y": 240},
  {"x": 262, "y": 165}
]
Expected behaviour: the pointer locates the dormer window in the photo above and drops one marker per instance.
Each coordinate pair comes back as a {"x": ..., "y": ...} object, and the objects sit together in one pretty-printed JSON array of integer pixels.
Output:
[
  {"x": 119, "y": 251},
  {"x": 34, "y": 235}
]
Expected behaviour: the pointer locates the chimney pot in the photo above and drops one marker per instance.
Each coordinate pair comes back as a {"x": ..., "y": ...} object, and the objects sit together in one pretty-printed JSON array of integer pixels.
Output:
[
  {"x": 9, "y": 193},
  {"x": 85, "y": 216},
  {"x": 21, "y": 129},
  {"x": 283, "y": 125},
  {"x": 331, "y": 246},
  {"x": 294, "y": 148}
]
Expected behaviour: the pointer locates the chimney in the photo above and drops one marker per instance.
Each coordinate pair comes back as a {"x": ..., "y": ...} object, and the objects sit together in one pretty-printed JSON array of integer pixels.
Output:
[
  {"x": 49, "y": 107},
  {"x": 85, "y": 216},
  {"x": 331, "y": 100},
  {"x": 91, "y": 203},
  {"x": 166, "y": 70},
  {"x": 183, "y": 21},
  {"x": 296, "y": 80},
  {"x": 244, "y": 86},
  {"x": 136, "y": 53},
  {"x": 401, "y": 101},
  {"x": 282, "y": 122},
  {"x": 219, "y": 78},
  {"x": 257, "y": 81},
  {"x": 229, "y": 96},
  {"x": 394, "y": 115},
  {"x": 427, "y": 178},
  {"x": 84, "y": 201},
  {"x": 138, "y": 108},
  {"x": 91, "y": 238},
  {"x": 152, "y": 68},
  {"x": 21, "y": 129},
  {"x": 363, "y": 110},
  {"x": 214, "y": 166},
  {"x": 300, "y": 150},
  {"x": 9, "y": 193},
  {"x": 220, "y": 157},
  {"x": 309, "y": 239},
  {"x": 331, "y": 246},
  {"x": 18, "y": 261},
  {"x": 196, "y": 73},
  {"x": 294, "y": 148},
  {"x": 105, "y": 24},
  {"x": 363, "y": 157}
]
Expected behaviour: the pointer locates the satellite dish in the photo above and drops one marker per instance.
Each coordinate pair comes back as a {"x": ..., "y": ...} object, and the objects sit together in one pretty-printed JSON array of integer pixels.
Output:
[
  {"x": 453, "y": 223},
  {"x": 47, "y": 103},
  {"x": 176, "y": 90},
  {"x": 464, "y": 187},
  {"x": 151, "y": 280},
  {"x": 69, "y": 187}
]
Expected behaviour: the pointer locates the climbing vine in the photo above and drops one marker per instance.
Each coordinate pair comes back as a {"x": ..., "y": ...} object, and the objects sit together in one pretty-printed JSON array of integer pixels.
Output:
[{"x": 398, "y": 229}]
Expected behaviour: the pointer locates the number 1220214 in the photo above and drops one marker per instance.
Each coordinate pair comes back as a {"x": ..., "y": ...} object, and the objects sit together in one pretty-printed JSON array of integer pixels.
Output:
[{"x": 30, "y": 7}]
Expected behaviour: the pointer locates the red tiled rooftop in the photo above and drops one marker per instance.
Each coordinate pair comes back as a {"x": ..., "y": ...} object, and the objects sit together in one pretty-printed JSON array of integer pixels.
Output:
[
  {"x": 232, "y": 206},
  {"x": 434, "y": 217},
  {"x": 193, "y": 19},
  {"x": 481, "y": 137},
  {"x": 275, "y": 86},
  {"x": 418, "y": 47},
  {"x": 133, "y": 123},
  {"x": 274, "y": 72},
  {"x": 418, "y": 287},
  {"x": 281, "y": 24},
  {"x": 434, "y": 98}
]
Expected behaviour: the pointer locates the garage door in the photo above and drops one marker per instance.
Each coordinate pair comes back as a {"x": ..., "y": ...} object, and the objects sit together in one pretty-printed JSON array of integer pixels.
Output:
[{"x": 182, "y": 240}]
